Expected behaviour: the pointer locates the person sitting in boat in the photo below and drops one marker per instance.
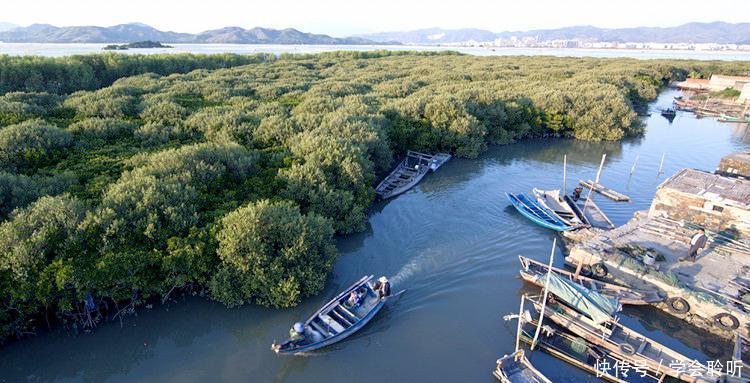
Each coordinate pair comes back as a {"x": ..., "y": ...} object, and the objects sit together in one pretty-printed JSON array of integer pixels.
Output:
[
  {"x": 354, "y": 299},
  {"x": 577, "y": 193},
  {"x": 297, "y": 332},
  {"x": 383, "y": 287}
]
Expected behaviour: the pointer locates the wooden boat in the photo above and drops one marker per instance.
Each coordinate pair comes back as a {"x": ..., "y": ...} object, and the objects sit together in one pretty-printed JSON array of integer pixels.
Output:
[
  {"x": 585, "y": 355},
  {"x": 605, "y": 191},
  {"x": 625, "y": 343},
  {"x": 728, "y": 118},
  {"x": 336, "y": 320},
  {"x": 593, "y": 215},
  {"x": 552, "y": 200},
  {"x": 409, "y": 172},
  {"x": 515, "y": 368},
  {"x": 534, "y": 271},
  {"x": 542, "y": 216},
  {"x": 668, "y": 112}
]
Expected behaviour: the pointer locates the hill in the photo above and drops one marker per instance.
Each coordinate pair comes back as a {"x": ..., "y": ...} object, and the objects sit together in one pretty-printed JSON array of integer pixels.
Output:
[
  {"x": 716, "y": 32},
  {"x": 126, "y": 33}
]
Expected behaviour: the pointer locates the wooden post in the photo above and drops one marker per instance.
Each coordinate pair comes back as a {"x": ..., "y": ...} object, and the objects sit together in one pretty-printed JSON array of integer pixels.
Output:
[
  {"x": 635, "y": 163},
  {"x": 544, "y": 297},
  {"x": 565, "y": 174},
  {"x": 591, "y": 191},
  {"x": 520, "y": 323},
  {"x": 661, "y": 163}
]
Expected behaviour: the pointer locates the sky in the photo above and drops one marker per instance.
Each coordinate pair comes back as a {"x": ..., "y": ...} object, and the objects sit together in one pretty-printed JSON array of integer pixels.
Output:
[{"x": 348, "y": 17}]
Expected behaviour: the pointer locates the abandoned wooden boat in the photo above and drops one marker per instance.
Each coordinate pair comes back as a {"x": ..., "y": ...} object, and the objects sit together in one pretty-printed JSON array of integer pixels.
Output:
[
  {"x": 337, "y": 319},
  {"x": 622, "y": 341},
  {"x": 516, "y": 368},
  {"x": 552, "y": 200},
  {"x": 541, "y": 215},
  {"x": 593, "y": 215},
  {"x": 534, "y": 272},
  {"x": 585, "y": 355},
  {"x": 409, "y": 172},
  {"x": 605, "y": 191}
]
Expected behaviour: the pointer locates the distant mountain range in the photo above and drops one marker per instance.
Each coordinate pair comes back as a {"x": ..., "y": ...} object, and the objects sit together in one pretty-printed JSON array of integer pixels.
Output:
[
  {"x": 716, "y": 32},
  {"x": 126, "y": 33}
]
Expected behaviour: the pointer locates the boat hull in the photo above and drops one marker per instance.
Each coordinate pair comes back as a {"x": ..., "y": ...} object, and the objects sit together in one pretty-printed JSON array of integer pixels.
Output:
[{"x": 536, "y": 213}]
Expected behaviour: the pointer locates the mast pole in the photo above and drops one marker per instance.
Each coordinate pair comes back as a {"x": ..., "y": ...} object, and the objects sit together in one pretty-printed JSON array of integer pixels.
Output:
[
  {"x": 565, "y": 174},
  {"x": 544, "y": 297}
]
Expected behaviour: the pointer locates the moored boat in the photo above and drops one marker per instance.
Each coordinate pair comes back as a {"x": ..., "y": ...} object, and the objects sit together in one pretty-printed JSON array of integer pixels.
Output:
[
  {"x": 534, "y": 272},
  {"x": 623, "y": 342},
  {"x": 587, "y": 356},
  {"x": 552, "y": 200},
  {"x": 541, "y": 215},
  {"x": 516, "y": 368},
  {"x": 409, "y": 172},
  {"x": 337, "y": 319}
]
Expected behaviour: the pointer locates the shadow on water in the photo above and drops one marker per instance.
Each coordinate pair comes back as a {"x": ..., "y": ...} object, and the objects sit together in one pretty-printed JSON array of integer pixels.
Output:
[{"x": 452, "y": 242}]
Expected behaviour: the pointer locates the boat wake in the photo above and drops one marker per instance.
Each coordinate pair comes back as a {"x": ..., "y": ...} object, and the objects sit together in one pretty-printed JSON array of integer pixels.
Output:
[{"x": 425, "y": 261}]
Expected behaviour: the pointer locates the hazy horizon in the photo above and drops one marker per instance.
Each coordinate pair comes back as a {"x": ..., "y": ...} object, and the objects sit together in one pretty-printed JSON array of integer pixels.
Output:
[{"x": 345, "y": 18}]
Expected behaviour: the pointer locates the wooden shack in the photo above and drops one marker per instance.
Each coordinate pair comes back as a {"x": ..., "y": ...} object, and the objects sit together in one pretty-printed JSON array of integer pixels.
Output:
[{"x": 711, "y": 200}]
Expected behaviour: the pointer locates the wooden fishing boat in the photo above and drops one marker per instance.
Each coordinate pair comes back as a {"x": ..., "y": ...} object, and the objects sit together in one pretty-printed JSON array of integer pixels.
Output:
[
  {"x": 728, "y": 118},
  {"x": 605, "y": 191},
  {"x": 516, "y": 368},
  {"x": 409, "y": 172},
  {"x": 593, "y": 215},
  {"x": 585, "y": 355},
  {"x": 542, "y": 216},
  {"x": 668, "y": 112},
  {"x": 552, "y": 200},
  {"x": 336, "y": 320},
  {"x": 534, "y": 271},
  {"x": 626, "y": 343}
]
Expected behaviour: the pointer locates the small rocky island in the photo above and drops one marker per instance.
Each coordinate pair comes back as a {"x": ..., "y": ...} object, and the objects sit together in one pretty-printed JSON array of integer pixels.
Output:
[{"x": 136, "y": 45}]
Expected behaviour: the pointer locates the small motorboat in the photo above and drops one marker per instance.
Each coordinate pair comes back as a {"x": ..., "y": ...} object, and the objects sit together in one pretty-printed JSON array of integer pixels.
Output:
[
  {"x": 534, "y": 272},
  {"x": 669, "y": 113},
  {"x": 516, "y": 368},
  {"x": 541, "y": 215},
  {"x": 338, "y": 319}
]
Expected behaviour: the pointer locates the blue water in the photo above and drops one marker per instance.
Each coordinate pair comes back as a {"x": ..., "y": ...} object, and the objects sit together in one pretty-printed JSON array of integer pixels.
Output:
[{"x": 452, "y": 242}]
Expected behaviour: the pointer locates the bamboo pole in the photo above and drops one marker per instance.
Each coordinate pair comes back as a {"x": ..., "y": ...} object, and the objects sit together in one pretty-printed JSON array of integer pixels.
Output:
[
  {"x": 544, "y": 297},
  {"x": 591, "y": 191},
  {"x": 565, "y": 174},
  {"x": 520, "y": 324},
  {"x": 661, "y": 163},
  {"x": 635, "y": 163}
]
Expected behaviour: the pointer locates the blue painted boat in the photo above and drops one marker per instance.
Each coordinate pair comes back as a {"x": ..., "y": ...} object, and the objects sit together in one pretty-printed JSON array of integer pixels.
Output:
[
  {"x": 337, "y": 319},
  {"x": 531, "y": 209}
]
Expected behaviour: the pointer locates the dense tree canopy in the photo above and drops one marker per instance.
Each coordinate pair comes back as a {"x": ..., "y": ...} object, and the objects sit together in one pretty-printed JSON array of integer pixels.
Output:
[{"x": 124, "y": 178}]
